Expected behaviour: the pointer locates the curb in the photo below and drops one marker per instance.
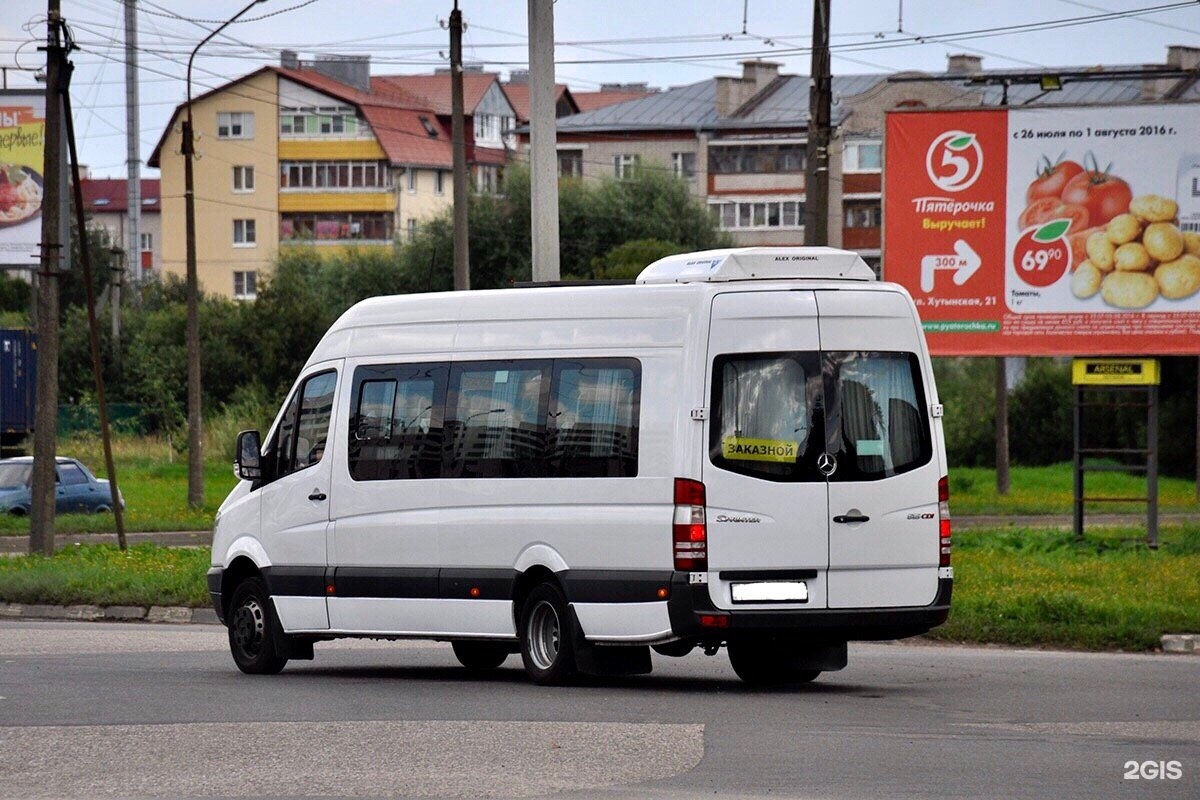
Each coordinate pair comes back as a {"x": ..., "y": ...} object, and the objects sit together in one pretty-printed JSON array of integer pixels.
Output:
[
  {"x": 1181, "y": 643},
  {"x": 173, "y": 615}
]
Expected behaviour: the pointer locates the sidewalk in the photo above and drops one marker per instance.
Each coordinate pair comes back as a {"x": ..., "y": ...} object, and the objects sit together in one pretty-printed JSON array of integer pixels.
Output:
[{"x": 20, "y": 544}]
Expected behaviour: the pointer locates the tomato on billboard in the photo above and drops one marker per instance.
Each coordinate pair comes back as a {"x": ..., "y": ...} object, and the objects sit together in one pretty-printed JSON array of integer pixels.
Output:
[{"x": 1048, "y": 231}]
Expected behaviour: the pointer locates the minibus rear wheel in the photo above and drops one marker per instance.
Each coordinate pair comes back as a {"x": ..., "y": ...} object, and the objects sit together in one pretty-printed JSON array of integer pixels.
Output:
[
  {"x": 480, "y": 655},
  {"x": 547, "y": 633},
  {"x": 760, "y": 664},
  {"x": 253, "y": 630}
]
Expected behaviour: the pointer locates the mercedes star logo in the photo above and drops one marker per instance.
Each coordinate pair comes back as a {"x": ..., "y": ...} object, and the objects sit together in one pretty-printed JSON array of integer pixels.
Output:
[{"x": 826, "y": 464}]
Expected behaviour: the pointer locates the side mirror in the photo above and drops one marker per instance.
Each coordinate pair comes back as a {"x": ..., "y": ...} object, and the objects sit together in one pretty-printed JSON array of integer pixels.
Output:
[{"x": 248, "y": 465}]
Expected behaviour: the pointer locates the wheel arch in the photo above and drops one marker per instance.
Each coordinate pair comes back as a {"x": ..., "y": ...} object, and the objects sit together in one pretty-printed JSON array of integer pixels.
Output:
[{"x": 239, "y": 569}]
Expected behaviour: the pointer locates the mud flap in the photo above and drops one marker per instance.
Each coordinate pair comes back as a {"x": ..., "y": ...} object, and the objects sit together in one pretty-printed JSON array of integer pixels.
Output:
[{"x": 598, "y": 659}]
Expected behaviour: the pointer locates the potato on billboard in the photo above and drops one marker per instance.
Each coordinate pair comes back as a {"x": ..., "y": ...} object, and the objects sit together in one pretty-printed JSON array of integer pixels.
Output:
[
  {"x": 22, "y": 140},
  {"x": 1048, "y": 231}
]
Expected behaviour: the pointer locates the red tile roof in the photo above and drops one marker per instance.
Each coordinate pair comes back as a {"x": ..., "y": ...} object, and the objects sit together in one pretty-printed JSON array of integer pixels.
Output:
[
  {"x": 396, "y": 112},
  {"x": 488, "y": 155},
  {"x": 518, "y": 95},
  {"x": 107, "y": 195},
  {"x": 434, "y": 89},
  {"x": 403, "y": 136},
  {"x": 590, "y": 101}
]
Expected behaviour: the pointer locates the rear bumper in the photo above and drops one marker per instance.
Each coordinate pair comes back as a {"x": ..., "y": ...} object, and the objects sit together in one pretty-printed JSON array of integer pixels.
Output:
[
  {"x": 214, "y": 591},
  {"x": 689, "y": 602}
]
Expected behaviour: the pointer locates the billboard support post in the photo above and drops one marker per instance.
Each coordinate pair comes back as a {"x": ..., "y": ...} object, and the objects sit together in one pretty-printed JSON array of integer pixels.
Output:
[{"x": 1115, "y": 383}]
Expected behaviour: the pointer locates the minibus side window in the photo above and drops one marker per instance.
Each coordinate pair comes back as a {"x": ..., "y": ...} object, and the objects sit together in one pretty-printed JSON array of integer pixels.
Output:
[
  {"x": 593, "y": 424},
  {"x": 312, "y": 424},
  {"x": 768, "y": 415},
  {"x": 277, "y": 454},
  {"x": 396, "y": 422},
  {"x": 877, "y": 421},
  {"x": 496, "y": 419}
]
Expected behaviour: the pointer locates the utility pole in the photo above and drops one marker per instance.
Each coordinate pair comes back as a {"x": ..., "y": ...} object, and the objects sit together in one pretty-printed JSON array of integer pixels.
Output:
[
  {"x": 45, "y": 426},
  {"x": 543, "y": 156},
  {"x": 133, "y": 170},
  {"x": 85, "y": 259},
  {"x": 458, "y": 143},
  {"x": 1002, "y": 473},
  {"x": 820, "y": 100}
]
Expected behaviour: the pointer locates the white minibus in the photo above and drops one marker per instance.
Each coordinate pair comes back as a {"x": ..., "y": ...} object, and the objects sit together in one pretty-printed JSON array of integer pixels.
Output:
[{"x": 742, "y": 449}]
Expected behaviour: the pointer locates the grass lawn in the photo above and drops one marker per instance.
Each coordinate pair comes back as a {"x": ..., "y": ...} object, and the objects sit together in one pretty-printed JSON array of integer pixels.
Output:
[
  {"x": 1048, "y": 490},
  {"x": 144, "y": 575},
  {"x": 1040, "y": 587},
  {"x": 1013, "y": 586}
]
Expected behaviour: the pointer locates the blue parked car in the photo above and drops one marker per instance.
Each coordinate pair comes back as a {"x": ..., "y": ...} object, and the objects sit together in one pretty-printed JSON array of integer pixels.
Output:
[{"x": 78, "y": 490}]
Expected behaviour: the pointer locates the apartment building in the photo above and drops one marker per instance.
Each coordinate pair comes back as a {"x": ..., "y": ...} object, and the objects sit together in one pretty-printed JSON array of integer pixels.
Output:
[{"x": 317, "y": 153}]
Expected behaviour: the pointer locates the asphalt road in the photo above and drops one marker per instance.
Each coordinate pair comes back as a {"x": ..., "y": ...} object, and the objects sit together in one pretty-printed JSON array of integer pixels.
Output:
[{"x": 106, "y": 710}]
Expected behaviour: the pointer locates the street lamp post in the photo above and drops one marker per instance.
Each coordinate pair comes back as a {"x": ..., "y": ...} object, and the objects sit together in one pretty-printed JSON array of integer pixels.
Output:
[{"x": 195, "y": 452}]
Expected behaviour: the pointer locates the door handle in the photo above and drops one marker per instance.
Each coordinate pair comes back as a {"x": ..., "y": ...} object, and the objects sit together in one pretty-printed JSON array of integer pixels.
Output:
[
  {"x": 317, "y": 495},
  {"x": 851, "y": 518}
]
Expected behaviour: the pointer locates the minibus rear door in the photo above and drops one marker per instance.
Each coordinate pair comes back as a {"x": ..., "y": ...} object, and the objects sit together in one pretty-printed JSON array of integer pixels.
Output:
[{"x": 767, "y": 509}]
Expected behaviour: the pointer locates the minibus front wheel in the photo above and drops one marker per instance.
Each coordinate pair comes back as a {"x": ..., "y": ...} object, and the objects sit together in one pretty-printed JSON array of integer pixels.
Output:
[
  {"x": 547, "y": 634},
  {"x": 253, "y": 630}
]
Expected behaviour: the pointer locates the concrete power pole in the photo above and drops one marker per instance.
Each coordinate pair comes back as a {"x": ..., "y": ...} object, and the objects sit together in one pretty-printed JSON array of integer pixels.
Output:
[
  {"x": 458, "y": 143},
  {"x": 820, "y": 98},
  {"x": 42, "y": 492},
  {"x": 133, "y": 166},
  {"x": 543, "y": 157}
]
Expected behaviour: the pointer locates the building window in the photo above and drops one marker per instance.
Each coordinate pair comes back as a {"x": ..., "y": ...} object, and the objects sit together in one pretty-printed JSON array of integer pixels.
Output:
[
  {"x": 243, "y": 233},
  {"x": 336, "y": 226},
  {"x": 570, "y": 163},
  {"x": 322, "y": 121},
  {"x": 487, "y": 128},
  {"x": 412, "y": 179},
  {"x": 245, "y": 284},
  {"x": 864, "y": 216},
  {"x": 334, "y": 175},
  {"x": 863, "y": 157},
  {"x": 146, "y": 242},
  {"x": 235, "y": 125},
  {"x": 438, "y": 179},
  {"x": 624, "y": 165},
  {"x": 243, "y": 179},
  {"x": 487, "y": 180},
  {"x": 412, "y": 229},
  {"x": 755, "y": 158},
  {"x": 744, "y": 215},
  {"x": 684, "y": 165}
]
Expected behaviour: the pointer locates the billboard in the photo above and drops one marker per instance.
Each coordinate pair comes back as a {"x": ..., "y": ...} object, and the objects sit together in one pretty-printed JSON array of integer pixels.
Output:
[
  {"x": 1048, "y": 231},
  {"x": 22, "y": 142}
]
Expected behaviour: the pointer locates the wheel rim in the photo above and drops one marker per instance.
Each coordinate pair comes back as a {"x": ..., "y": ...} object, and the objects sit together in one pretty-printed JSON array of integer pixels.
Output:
[
  {"x": 249, "y": 628},
  {"x": 544, "y": 632}
]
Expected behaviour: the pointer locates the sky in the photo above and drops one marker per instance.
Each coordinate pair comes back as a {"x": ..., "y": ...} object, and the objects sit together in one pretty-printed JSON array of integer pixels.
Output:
[{"x": 660, "y": 42}]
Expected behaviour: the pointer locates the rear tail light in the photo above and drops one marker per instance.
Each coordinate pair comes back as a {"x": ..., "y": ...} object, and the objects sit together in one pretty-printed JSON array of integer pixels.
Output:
[
  {"x": 689, "y": 530},
  {"x": 944, "y": 522}
]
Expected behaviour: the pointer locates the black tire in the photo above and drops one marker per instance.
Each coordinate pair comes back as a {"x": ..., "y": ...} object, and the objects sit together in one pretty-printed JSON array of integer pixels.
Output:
[
  {"x": 765, "y": 665},
  {"x": 253, "y": 629},
  {"x": 547, "y": 634},
  {"x": 481, "y": 656},
  {"x": 676, "y": 649}
]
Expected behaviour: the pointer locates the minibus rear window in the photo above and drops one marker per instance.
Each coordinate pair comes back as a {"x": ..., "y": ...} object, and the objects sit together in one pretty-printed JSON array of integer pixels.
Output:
[
  {"x": 877, "y": 421},
  {"x": 767, "y": 415},
  {"x": 775, "y": 413}
]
